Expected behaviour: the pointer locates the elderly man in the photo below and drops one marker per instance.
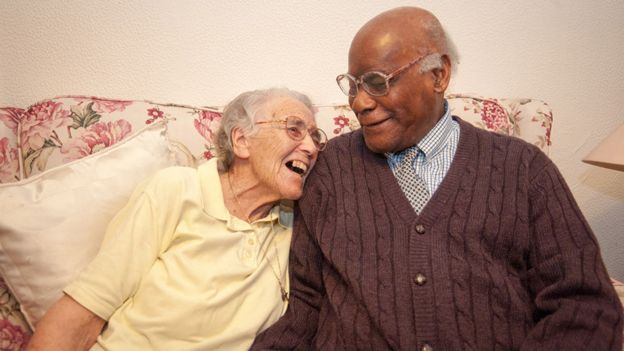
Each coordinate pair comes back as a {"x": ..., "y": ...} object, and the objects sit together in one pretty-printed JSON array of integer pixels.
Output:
[{"x": 422, "y": 232}]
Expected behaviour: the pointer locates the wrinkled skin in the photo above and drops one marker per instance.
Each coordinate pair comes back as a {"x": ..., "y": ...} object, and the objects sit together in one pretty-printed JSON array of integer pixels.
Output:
[
  {"x": 415, "y": 101},
  {"x": 262, "y": 174}
]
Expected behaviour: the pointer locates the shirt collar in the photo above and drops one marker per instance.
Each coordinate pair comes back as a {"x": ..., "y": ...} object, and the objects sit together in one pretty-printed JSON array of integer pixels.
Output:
[
  {"x": 212, "y": 195},
  {"x": 433, "y": 142}
]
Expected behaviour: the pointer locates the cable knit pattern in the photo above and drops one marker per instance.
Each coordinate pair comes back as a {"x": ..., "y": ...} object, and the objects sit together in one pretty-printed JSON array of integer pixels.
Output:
[{"x": 500, "y": 258}]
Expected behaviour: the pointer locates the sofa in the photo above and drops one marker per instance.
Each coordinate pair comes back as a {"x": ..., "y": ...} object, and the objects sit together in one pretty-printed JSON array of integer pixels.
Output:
[{"x": 67, "y": 164}]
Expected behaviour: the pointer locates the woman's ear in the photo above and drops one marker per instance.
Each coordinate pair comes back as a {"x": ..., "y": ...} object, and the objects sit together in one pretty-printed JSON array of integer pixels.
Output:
[{"x": 240, "y": 143}]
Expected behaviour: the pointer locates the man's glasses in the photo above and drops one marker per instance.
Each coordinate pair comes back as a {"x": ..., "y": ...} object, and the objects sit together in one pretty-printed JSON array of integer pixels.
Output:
[
  {"x": 297, "y": 130},
  {"x": 374, "y": 83}
]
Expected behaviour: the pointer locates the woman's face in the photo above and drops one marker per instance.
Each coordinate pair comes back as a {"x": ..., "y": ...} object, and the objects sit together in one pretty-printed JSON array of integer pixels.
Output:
[{"x": 279, "y": 162}]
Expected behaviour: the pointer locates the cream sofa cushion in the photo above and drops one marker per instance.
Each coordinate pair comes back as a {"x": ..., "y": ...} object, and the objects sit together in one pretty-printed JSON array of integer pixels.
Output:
[{"x": 51, "y": 224}]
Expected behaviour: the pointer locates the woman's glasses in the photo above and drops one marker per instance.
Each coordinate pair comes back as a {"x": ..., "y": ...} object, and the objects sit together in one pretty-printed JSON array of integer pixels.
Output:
[{"x": 297, "y": 130}]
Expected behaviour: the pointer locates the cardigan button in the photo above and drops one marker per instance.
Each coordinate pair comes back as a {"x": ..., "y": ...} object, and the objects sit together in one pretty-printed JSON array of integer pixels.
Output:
[
  {"x": 420, "y": 229},
  {"x": 420, "y": 279},
  {"x": 426, "y": 347}
]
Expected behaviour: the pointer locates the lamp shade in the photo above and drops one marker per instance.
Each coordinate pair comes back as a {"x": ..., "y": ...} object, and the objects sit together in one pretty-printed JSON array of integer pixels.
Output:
[{"x": 610, "y": 152}]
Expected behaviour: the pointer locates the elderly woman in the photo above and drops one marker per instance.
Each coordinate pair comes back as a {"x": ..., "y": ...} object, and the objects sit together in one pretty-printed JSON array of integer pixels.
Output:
[{"x": 198, "y": 258}]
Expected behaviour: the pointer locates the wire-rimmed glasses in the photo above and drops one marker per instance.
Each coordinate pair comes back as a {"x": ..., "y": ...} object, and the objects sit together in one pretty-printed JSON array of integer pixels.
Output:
[
  {"x": 374, "y": 83},
  {"x": 297, "y": 130}
]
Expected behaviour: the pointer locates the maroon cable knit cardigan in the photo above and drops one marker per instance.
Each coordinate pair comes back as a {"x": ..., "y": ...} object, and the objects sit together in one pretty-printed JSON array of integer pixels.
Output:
[{"x": 501, "y": 257}]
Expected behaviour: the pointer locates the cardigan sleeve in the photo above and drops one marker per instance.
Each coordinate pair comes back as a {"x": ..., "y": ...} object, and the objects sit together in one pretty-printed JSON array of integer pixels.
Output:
[
  {"x": 576, "y": 307},
  {"x": 297, "y": 328}
]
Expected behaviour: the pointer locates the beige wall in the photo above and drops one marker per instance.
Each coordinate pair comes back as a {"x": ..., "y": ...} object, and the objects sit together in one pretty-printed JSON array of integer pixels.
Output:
[{"x": 568, "y": 53}]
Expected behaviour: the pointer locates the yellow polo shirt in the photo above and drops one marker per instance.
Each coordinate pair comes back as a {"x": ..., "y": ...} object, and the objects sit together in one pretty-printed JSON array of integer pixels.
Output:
[{"x": 177, "y": 272}]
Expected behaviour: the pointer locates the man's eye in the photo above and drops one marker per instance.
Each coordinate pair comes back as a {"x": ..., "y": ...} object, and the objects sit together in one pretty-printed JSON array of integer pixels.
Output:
[{"x": 375, "y": 81}]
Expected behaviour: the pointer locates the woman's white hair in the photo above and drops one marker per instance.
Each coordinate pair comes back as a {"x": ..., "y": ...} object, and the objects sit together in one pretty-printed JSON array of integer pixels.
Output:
[{"x": 241, "y": 113}]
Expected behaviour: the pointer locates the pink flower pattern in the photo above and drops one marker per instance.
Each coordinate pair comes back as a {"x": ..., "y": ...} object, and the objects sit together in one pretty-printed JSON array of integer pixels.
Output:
[
  {"x": 9, "y": 164},
  {"x": 96, "y": 137},
  {"x": 10, "y": 116},
  {"x": 154, "y": 114},
  {"x": 207, "y": 124},
  {"x": 104, "y": 105},
  {"x": 12, "y": 337},
  {"x": 342, "y": 122},
  {"x": 208, "y": 155},
  {"x": 494, "y": 116},
  {"x": 38, "y": 122},
  {"x": 209, "y": 115},
  {"x": 546, "y": 122}
]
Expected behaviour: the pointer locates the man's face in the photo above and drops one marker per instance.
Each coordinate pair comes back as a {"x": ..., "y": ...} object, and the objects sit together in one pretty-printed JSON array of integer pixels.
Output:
[{"x": 411, "y": 108}]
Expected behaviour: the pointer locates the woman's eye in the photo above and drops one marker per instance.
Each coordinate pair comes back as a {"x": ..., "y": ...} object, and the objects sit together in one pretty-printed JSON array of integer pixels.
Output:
[{"x": 294, "y": 131}]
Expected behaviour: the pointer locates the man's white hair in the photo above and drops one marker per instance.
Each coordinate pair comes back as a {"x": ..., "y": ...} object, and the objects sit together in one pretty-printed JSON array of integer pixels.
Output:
[{"x": 444, "y": 45}]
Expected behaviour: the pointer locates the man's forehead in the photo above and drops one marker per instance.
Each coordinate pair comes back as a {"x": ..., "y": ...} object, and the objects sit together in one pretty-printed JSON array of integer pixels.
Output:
[
  {"x": 398, "y": 32},
  {"x": 381, "y": 48}
]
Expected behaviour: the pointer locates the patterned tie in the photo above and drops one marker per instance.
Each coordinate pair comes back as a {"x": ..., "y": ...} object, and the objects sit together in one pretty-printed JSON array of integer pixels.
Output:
[{"x": 412, "y": 185}]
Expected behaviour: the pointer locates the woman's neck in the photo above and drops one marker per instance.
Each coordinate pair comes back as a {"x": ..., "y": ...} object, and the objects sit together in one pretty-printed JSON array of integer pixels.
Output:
[{"x": 244, "y": 195}]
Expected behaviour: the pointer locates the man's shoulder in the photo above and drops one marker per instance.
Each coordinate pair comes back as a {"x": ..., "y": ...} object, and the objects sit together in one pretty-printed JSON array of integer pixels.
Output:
[
  {"x": 336, "y": 158},
  {"x": 349, "y": 147},
  {"x": 468, "y": 130},
  {"x": 512, "y": 150},
  {"x": 345, "y": 141},
  {"x": 341, "y": 146}
]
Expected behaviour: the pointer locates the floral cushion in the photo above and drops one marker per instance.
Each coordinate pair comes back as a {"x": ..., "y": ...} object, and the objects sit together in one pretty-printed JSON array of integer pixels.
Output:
[
  {"x": 9, "y": 157},
  {"x": 529, "y": 119},
  {"x": 66, "y": 128},
  {"x": 60, "y": 130},
  {"x": 63, "y": 129},
  {"x": 14, "y": 330}
]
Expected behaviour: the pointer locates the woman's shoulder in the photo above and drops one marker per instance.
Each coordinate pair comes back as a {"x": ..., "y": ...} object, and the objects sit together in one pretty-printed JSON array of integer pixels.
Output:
[{"x": 172, "y": 180}]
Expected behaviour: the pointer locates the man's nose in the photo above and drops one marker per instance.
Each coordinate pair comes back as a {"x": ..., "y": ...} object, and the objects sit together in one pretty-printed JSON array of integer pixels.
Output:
[{"x": 362, "y": 101}]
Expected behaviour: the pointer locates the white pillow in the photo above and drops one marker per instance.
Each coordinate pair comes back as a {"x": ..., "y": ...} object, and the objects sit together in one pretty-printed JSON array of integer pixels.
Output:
[{"x": 51, "y": 225}]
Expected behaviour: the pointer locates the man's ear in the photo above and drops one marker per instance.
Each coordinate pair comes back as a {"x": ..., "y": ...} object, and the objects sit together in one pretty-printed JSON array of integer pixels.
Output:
[
  {"x": 240, "y": 143},
  {"x": 442, "y": 75}
]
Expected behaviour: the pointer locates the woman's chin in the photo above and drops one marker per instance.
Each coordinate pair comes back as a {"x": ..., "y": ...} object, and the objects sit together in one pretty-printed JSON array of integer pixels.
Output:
[{"x": 292, "y": 194}]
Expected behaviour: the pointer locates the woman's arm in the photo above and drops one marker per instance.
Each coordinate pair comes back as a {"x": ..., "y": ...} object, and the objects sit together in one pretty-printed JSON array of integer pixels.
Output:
[{"x": 66, "y": 326}]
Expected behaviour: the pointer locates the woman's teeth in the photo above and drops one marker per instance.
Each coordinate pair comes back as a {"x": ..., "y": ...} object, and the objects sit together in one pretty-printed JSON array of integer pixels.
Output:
[{"x": 297, "y": 167}]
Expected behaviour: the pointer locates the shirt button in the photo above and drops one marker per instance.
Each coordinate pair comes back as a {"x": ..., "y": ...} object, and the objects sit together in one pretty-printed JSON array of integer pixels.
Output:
[
  {"x": 420, "y": 279},
  {"x": 420, "y": 229},
  {"x": 426, "y": 347},
  {"x": 251, "y": 241}
]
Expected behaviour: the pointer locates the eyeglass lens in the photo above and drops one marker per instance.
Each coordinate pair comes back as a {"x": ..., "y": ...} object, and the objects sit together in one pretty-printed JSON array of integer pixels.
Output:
[
  {"x": 296, "y": 129},
  {"x": 374, "y": 83}
]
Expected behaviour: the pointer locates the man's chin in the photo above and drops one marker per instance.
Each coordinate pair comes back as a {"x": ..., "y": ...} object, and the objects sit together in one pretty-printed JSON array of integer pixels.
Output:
[{"x": 377, "y": 144}]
